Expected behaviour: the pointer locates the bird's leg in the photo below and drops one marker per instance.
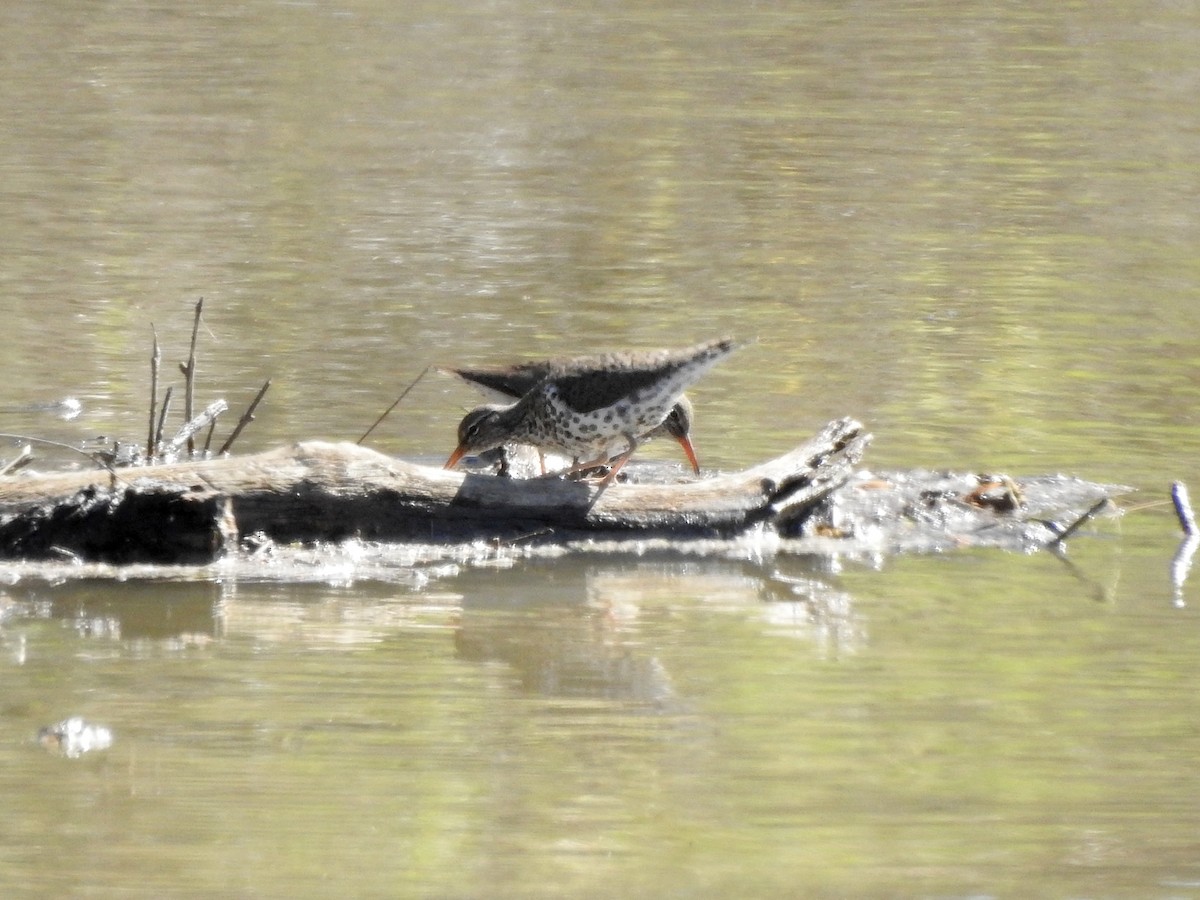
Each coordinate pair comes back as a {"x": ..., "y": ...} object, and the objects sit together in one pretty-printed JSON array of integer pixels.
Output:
[
  {"x": 576, "y": 467},
  {"x": 619, "y": 461},
  {"x": 613, "y": 462}
]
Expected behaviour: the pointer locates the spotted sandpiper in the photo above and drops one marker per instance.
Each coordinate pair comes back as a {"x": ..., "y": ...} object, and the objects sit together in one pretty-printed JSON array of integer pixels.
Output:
[
  {"x": 508, "y": 383},
  {"x": 584, "y": 410}
]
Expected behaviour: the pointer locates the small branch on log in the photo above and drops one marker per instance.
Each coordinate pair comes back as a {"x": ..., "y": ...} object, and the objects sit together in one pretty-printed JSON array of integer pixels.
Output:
[
  {"x": 92, "y": 456},
  {"x": 189, "y": 374},
  {"x": 162, "y": 419},
  {"x": 20, "y": 461},
  {"x": 388, "y": 411},
  {"x": 155, "y": 360},
  {"x": 246, "y": 419},
  {"x": 188, "y": 431},
  {"x": 522, "y": 538},
  {"x": 212, "y": 427}
]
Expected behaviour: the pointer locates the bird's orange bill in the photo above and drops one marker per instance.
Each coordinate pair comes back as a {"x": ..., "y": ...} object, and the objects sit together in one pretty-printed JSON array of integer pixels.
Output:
[
  {"x": 686, "y": 444},
  {"x": 458, "y": 454}
]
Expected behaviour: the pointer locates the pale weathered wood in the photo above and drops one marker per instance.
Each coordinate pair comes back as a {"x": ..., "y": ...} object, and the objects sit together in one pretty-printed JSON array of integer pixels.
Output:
[
  {"x": 316, "y": 490},
  {"x": 775, "y": 490}
]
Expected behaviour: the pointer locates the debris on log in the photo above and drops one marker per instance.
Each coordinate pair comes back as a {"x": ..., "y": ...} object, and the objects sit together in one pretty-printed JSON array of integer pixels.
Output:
[{"x": 920, "y": 511}]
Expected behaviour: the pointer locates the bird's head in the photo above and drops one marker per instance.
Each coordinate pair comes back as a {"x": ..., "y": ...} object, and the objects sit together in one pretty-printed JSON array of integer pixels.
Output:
[{"x": 483, "y": 428}]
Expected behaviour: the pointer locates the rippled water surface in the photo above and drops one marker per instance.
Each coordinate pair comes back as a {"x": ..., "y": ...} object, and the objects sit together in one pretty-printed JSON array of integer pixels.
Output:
[{"x": 971, "y": 226}]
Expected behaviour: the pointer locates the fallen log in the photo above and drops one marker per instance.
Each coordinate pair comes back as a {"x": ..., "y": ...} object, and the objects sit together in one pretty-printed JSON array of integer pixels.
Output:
[{"x": 313, "y": 491}]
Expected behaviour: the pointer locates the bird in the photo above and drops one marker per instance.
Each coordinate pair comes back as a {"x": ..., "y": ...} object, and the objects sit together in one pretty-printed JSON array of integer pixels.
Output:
[
  {"x": 508, "y": 383},
  {"x": 592, "y": 404}
]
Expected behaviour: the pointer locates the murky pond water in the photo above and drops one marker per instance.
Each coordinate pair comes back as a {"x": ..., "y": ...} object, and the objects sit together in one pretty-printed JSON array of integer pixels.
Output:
[{"x": 973, "y": 227}]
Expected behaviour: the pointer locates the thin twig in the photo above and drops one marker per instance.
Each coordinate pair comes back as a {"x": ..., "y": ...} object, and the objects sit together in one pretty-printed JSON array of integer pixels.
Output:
[
  {"x": 246, "y": 419},
  {"x": 1139, "y": 507},
  {"x": 189, "y": 374},
  {"x": 187, "y": 433},
  {"x": 212, "y": 427},
  {"x": 388, "y": 411},
  {"x": 162, "y": 418},
  {"x": 92, "y": 456},
  {"x": 1183, "y": 507},
  {"x": 20, "y": 461},
  {"x": 1074, "y": 526},
  {"x": 155, "y": 360},
  {"x": 521, "y": 538}
]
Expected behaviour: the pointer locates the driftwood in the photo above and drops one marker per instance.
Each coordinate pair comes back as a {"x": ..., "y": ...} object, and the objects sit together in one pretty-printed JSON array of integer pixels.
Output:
[{"x": 317, "y": 491}]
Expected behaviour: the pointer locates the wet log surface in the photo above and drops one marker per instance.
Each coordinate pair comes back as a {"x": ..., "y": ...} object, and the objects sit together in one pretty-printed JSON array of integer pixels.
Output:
[{"x": 319, "y": 492}]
